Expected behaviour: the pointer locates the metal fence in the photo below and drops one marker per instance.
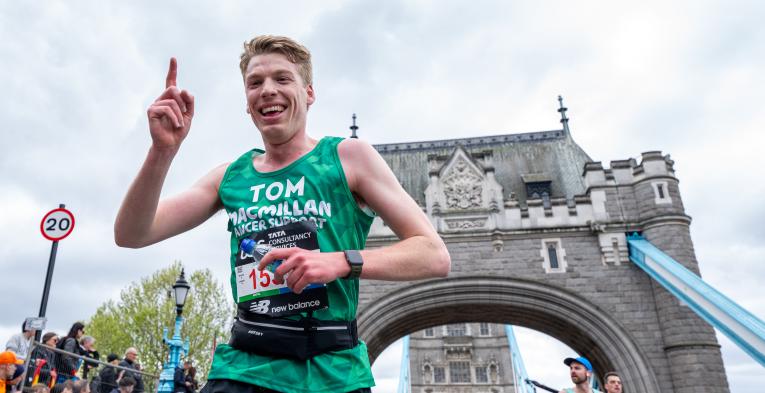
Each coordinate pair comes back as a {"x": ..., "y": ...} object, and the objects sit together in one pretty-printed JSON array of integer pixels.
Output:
[{"x": 52, "y": 366}]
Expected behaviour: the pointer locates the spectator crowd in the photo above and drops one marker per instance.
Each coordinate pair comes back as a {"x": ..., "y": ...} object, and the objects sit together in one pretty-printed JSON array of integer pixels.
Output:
[
  {"x": 58, "y": 371},
  {"x": 72, "y": 364}
]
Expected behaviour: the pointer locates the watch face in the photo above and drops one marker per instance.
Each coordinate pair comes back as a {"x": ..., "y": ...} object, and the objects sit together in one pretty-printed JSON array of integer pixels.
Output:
[{"x": 353, "y": 257}]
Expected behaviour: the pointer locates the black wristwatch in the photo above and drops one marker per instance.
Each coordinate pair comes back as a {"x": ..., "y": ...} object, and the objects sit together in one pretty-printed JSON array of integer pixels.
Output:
[{"x": 353, "y": 257}]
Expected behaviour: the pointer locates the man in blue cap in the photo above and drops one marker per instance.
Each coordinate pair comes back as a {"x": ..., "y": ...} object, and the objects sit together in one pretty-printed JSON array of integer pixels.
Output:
[{"x": 581, "y": 372}]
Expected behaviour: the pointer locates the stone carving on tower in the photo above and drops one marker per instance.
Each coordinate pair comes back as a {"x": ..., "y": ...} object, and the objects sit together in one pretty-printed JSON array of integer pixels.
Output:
[
  {"x": 462, "y": 193},
  {"x": 462, "y": 186}
]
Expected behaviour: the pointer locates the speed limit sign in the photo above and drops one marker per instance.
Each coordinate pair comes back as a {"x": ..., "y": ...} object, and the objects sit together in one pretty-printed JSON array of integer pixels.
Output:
[{"x": 57, "y": 224}]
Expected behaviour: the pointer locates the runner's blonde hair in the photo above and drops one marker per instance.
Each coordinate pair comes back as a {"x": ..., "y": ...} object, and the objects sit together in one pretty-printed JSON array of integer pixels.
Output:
[{"x": 293, "y": 51}]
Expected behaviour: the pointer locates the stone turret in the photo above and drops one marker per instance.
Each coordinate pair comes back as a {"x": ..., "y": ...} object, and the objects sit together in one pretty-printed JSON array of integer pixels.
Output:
[
  {"x": 646, "y": 197},
  {"x": 689, "y": 342}
]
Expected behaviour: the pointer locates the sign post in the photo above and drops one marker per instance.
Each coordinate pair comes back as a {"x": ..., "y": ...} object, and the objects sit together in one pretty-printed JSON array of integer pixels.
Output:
[{"x": 55, "y": 225}]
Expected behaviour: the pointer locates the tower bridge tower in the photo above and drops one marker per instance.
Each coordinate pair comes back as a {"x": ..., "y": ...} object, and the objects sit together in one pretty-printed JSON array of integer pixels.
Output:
[{"x": 536, "y": 231}]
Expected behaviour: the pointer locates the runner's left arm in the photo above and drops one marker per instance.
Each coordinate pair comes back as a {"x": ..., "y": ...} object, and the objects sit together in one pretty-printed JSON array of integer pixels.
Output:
[{"x": 419, "y": 254}]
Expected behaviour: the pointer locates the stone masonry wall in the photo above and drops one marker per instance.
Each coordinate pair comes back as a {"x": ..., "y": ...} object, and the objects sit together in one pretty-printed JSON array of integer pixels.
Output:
[{"x": 680, "y": 348}]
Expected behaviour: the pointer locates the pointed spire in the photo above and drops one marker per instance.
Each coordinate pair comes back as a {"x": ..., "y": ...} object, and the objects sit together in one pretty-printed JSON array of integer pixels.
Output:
[
  {"x": 563, "y": 118},
  {"x": 354, "y": 127}
]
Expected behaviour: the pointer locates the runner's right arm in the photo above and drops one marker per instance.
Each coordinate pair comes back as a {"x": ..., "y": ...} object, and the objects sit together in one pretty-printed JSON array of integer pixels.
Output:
[{"x": 143, "y": 219}]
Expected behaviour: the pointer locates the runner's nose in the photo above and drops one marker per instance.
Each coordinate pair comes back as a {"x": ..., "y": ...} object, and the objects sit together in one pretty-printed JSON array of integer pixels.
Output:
[{"x": 268, "y": 88}]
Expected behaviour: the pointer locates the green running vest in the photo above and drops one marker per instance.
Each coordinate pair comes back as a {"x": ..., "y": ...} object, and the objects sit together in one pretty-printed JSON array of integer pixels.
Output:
[{"x": 311, "y": 188}]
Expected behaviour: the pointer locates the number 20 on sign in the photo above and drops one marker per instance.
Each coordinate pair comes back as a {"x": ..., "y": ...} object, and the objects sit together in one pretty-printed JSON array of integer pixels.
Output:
[{"x": 57, "y": 224}]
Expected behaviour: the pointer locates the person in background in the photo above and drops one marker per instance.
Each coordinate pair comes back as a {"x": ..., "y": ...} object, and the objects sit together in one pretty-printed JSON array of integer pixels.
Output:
[
  {"x": 19, "y": 342},
  {"x": 581, "y": 372},
  {"x": 125, "y": 386},
  {"x": 191, "y": 379},
  {"x": 87, "y": 348},
  {"x": 8, "y": 364},
  {"x": 64, "y": 387},
  {"x": 130, "y": 361},
  {"x": 40, "y": 388},
  {"x": 40, "y": 352},
  {"x": 42, "y": 365},
  {"x": 81, "y": 386},
  {"x": 613, "y": 382},
  {"x": 13, "y": 384},
  {"x": 67, "y": 366},
  {"x": 109, "y": 375},
  {"x": 179, "y": 378}
]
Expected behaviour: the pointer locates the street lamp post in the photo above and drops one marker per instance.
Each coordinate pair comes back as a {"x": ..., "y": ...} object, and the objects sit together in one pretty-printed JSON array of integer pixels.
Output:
[{"x": 178, "y": 348}]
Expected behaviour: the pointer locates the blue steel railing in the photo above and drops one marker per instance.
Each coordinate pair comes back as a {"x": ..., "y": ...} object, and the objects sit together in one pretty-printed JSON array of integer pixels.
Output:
[
  {"x": 739, "y": 325},
  {"x": 520, "y": 376},
  {"x": 404, "y": 383}
]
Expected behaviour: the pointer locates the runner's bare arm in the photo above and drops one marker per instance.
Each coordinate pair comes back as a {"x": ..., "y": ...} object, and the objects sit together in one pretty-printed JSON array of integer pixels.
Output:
[
  {"x": 420, "y": 253},
  {"x": 142, "y": 218}
]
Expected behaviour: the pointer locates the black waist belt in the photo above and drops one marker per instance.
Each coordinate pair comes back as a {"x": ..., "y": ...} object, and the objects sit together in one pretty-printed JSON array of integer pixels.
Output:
[{"x": 286, "y": 338}]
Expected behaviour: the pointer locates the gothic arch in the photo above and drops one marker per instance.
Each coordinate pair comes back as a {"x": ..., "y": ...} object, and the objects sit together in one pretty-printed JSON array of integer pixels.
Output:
[{"x": 553, "y": 311}]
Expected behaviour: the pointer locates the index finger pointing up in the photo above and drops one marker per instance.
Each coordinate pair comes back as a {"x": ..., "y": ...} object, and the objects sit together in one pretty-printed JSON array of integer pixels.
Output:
[{"x": 172, "y": 73}]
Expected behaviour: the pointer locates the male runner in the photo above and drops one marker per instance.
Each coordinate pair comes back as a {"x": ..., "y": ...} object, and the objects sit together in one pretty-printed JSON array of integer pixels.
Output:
[
  {"x": 613, "y": 382},
  {"x": 335, "y": 185},
  {"x": 581, "y": 372}
]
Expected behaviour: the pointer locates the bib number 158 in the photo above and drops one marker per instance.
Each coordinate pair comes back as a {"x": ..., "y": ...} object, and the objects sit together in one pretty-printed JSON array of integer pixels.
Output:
[{"x": 261, "y": 278}]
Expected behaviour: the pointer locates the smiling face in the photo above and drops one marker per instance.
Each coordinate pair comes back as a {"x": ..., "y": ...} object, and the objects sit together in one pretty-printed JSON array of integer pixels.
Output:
[{"x": 277, "y": 97}]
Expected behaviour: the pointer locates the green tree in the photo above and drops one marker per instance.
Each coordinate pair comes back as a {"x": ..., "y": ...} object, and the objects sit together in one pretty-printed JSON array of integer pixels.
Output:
[{"x": 145, "y": 308}]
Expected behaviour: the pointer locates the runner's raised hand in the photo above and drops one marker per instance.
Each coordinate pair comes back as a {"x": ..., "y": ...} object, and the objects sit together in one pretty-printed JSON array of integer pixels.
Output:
[{"x": 171, "y": 113}]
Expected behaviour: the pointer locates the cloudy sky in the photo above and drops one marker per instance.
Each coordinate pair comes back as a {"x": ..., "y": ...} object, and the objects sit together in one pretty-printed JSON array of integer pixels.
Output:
[{"x": 683, "y": 77}]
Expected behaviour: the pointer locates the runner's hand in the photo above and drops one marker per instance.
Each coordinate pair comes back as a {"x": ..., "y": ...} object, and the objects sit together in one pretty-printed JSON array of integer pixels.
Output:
[
  {"x": 303, "y": 267},
  {"x": 171, "y": 113}
]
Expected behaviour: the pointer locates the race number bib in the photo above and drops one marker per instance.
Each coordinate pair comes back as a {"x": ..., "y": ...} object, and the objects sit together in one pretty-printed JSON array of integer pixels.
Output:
[{"x": 256, "y": 290}]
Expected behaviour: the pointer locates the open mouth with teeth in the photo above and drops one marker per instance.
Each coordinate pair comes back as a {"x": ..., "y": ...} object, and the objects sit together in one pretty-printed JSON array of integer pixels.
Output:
[{"x": 272, "y": 111}]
